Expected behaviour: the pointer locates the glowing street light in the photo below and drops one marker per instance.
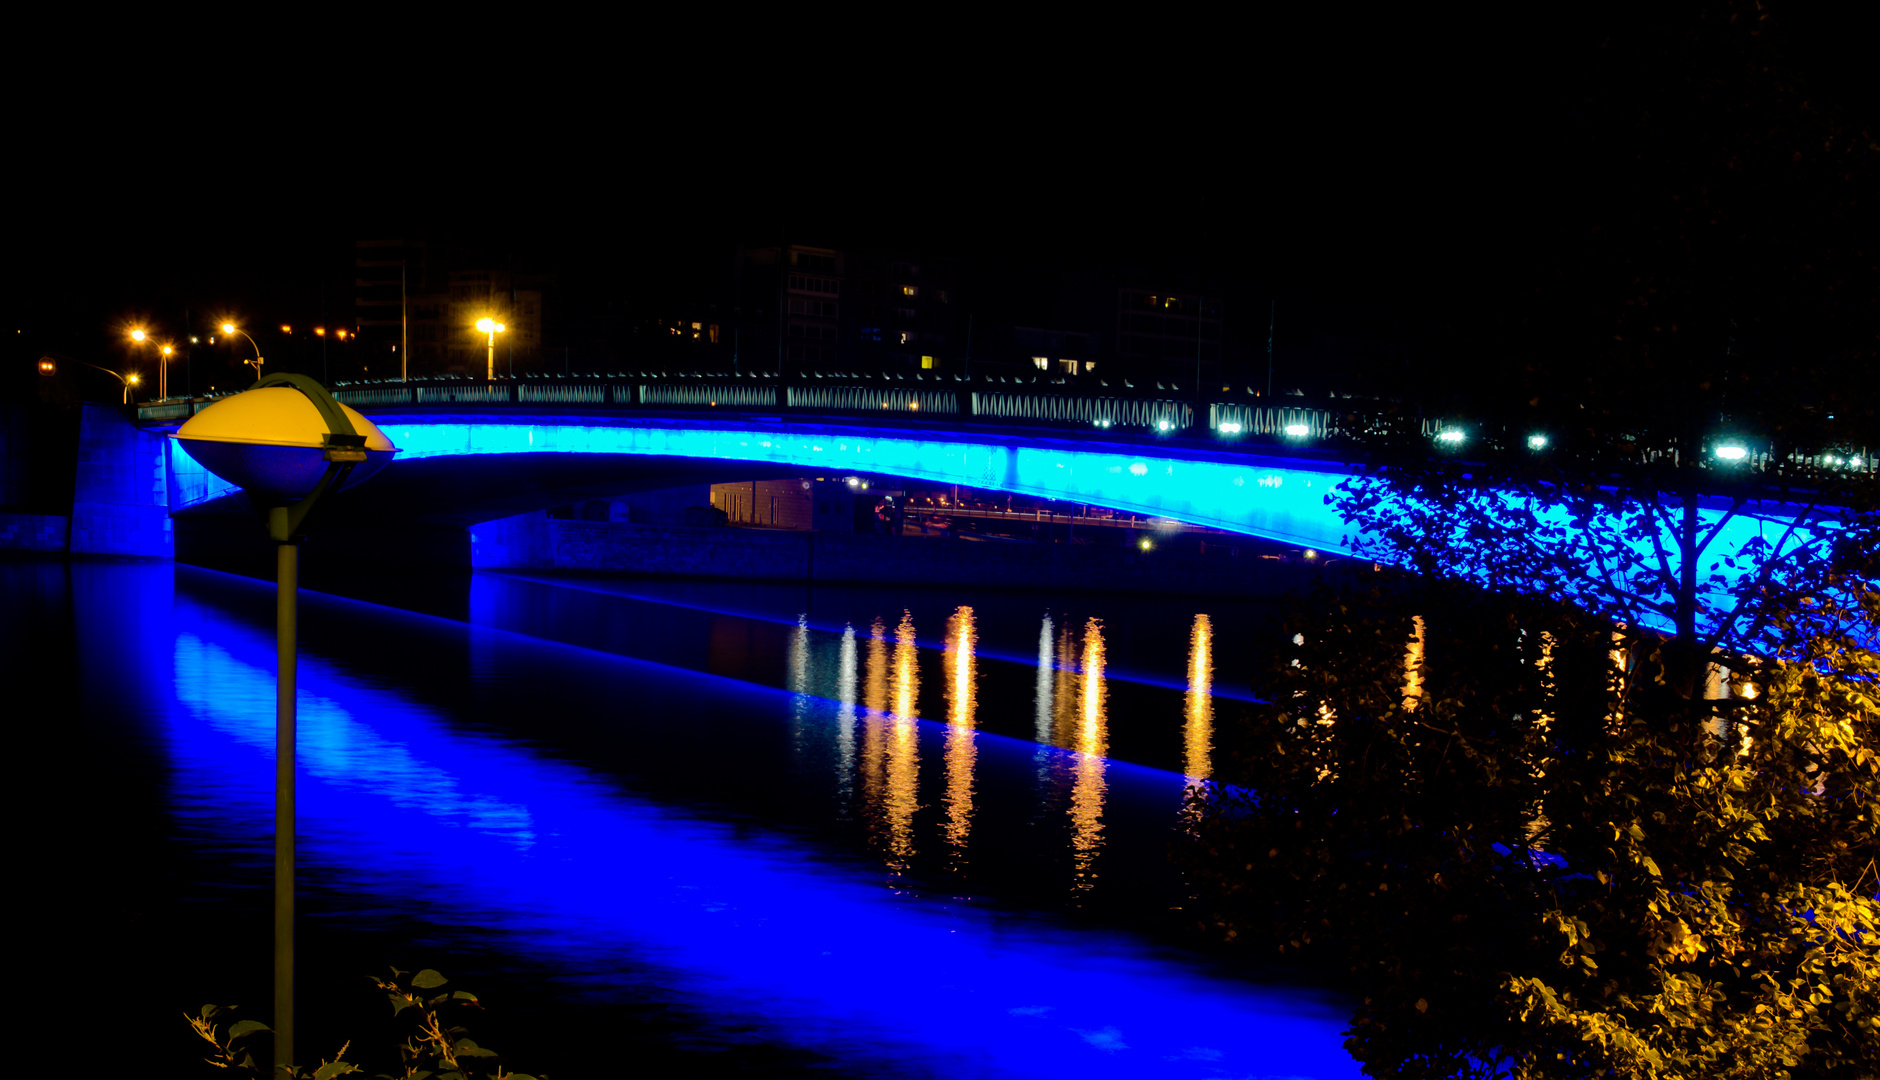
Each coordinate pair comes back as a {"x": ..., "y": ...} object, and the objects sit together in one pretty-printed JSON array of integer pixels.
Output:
[
  {"x": 49, "y": 366},
  {"x": 1537, "y": 442},
  {"x": 286, "y": 442},
  {"x": 1452, "y": 437},
  {"x": 1297, "y": 431},
  {"x": 140, "y": 336},
  {"x": 492, "y": 328},
  {"x": 1732, "y": 452},
  {"x": 231, "y": 328}
]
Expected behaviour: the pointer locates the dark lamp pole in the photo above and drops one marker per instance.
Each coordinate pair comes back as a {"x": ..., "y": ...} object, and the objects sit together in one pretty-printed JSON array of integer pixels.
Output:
[{"x": 286, "y": 442}]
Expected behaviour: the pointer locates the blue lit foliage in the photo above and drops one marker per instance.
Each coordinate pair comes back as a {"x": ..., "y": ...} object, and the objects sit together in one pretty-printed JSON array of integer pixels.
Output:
[{"x": 1717, "y": 571}]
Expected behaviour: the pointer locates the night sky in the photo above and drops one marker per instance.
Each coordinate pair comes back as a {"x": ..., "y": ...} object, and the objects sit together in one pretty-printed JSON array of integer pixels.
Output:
[{"x": 1473, "y": 188}]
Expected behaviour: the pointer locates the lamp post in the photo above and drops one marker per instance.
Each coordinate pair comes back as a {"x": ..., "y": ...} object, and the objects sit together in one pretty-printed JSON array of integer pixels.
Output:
[
  {"x": 231, "y": 328},
  {"x": 127, "y": 380},
  {"x": 492, "y": 328},
  {"x": 140, "y": 336},
  {"x": 287, "y": 443}
]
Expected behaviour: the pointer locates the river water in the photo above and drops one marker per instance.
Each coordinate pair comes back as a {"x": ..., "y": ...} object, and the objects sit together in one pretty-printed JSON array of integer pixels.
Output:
[{"x": 661, "y": 827}]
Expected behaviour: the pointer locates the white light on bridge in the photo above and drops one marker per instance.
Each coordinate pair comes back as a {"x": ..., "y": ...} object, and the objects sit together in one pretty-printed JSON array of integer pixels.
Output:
[
  {"x": 1161, "y": 425},
  {"x": 1452, "y": 436},
  {"x": 1297, "y": 431},
  {"x": 1537, "y": 442},
  {"x": 1229, "y": 428},
  {"x": 1103, "y": 423},
  {"x": 1732, "y": 453}
]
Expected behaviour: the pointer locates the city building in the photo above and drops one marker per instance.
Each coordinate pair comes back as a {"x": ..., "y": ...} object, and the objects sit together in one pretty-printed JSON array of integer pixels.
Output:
[
  {"x": 422, "y": 299},
  {"x": 804, "y": 310}
]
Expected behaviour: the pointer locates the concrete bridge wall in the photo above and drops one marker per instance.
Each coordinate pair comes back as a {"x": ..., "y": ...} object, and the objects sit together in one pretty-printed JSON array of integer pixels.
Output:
[{"x": 538, "y": 542}]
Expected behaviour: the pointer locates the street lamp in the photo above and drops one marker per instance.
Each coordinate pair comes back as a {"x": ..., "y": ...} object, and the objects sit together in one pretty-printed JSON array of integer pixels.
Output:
[
  {"x": 287, "y": 443},
  {"x": 48, "y": 366},
  {"x": 492, "y": 328},
  {"x": 231, "y": 328}
]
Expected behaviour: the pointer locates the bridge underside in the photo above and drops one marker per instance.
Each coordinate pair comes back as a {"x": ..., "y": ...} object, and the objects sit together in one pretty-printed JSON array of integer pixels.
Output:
[{"x": 463, "y": 470}]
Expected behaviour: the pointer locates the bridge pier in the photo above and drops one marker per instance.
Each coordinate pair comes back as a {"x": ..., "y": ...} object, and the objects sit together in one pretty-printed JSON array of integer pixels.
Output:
[{"x": 120, "y": 497}]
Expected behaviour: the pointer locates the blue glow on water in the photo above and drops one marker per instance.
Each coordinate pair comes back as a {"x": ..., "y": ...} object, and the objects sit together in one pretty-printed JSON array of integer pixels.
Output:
[{"x": 754, "y": 927}]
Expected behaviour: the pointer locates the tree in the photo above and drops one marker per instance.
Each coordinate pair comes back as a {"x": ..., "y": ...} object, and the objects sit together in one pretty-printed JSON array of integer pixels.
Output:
[{"x": 1529, "y": 858}]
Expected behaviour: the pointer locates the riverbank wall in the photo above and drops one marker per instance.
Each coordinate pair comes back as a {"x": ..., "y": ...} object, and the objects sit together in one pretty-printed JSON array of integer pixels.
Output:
[{"x": 539, "y": 542}]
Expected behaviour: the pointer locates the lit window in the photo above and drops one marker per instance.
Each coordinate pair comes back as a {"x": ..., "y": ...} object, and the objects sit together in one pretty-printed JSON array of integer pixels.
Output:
[
  {"x": 926, "y": 363},
  {"x": 1090, "y": 365},
  {"x": 286, "y": 329},
  {"x": 910, "y": 290},
  {"x": 714, "y": 333},
  {"x": 1042, "y": 363},
  {"x": 696, "y": 326},
  {"x": 1070, "y": 366}
]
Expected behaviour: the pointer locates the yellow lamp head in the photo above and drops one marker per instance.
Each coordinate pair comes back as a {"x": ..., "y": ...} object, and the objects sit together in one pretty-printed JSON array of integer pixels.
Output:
[
  {"x": 228, "y": 328},
  {"x": 137, "y": 335},
  {"x": 274, "y": 441}
]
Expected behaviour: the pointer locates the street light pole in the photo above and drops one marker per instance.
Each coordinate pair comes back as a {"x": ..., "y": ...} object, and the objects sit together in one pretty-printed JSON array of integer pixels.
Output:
[
  {"x": 492, "y": 328},
  {"x": 275, "y": 469},
  {"x": 128, "y": 382},
  {"x": 231, "y": 328}
]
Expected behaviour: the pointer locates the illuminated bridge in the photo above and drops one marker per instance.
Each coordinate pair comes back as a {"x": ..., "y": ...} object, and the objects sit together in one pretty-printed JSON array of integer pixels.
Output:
[{"x": 474, "y": 452}]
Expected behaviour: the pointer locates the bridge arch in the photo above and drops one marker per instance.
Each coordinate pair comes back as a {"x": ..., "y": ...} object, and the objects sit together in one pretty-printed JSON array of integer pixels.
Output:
[{"x": 476, "y": 468}]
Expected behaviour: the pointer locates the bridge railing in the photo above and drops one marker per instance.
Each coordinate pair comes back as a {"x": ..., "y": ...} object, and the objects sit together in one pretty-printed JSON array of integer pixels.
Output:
[{"x": 1022, "y": 401}]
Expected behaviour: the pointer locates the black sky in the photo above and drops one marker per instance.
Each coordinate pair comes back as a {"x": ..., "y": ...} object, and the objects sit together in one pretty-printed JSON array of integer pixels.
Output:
[{"x": 1403, "y": 176}]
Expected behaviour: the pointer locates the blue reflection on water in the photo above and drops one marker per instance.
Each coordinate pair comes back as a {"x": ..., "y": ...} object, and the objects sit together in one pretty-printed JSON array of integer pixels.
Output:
[{"x": 398, "y": 802}]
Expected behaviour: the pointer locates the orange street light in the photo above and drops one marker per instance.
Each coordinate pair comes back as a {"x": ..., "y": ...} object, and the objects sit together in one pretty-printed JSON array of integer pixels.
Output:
[
  {"x": 141, "y": 336},
  {"x": 231, "y": 328},
  {"x": 492, "y": 328}
]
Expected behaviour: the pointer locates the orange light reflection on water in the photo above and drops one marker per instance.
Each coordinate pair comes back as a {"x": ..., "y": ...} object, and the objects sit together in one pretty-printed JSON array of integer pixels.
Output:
[
  {"x": 1092, "y": 742},
  {"x": 1198, "y": 730},
  {"x": 962, "y": 702}
]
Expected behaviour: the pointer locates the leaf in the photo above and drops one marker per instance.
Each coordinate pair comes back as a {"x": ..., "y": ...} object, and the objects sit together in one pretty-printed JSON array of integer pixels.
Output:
[
  {"x": 464, "y": 995},
  {"x": 246, "y": 1027},
  {"x": 467, "y": 1048},
  {"x": 428, "y": 979},
  {"x": 334, "y": 1068}
]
